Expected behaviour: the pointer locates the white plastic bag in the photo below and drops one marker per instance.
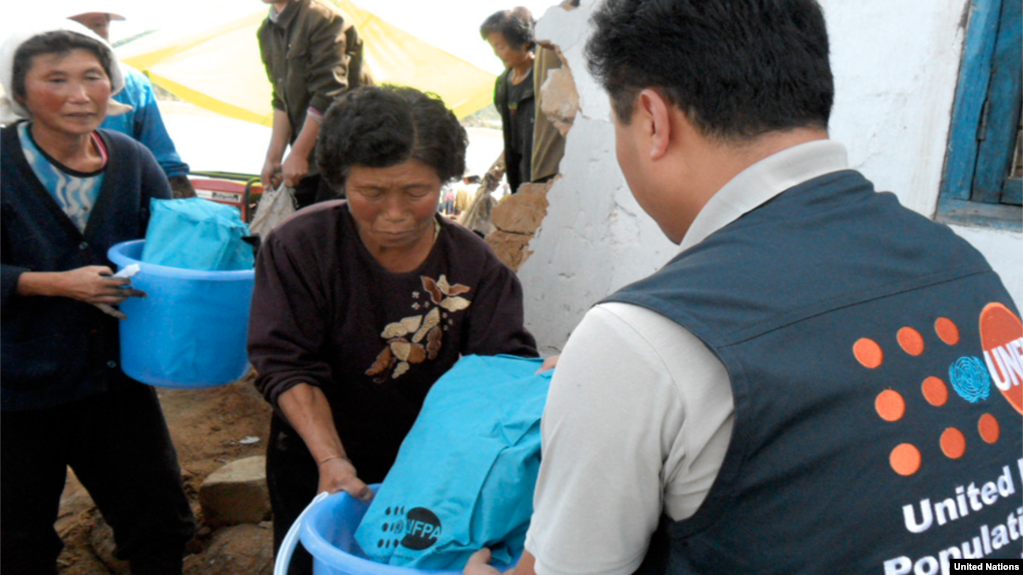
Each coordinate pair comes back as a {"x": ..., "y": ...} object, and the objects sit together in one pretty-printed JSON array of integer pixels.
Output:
[{"x": 274, "y": 207}]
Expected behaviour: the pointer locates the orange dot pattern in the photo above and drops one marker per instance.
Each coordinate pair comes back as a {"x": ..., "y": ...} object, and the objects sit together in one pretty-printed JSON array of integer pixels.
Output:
[
  {"x": 988, "y": 428},
  {"x": 953, "y": 443},
  {"x": 947, "y": 330},
  {"x": 890, "y": 405},
  {"x": 905, "y": 459},
  {"x": 910, "y": 341},
  {"x": 868, "y": 353},
  {"x": 935, "y": 391}
]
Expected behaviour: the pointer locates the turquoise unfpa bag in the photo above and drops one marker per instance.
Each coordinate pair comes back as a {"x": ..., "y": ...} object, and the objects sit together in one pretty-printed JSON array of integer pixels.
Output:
[
  {"x": 197, "y": 234},
  {"x": 465, "y": 474}
]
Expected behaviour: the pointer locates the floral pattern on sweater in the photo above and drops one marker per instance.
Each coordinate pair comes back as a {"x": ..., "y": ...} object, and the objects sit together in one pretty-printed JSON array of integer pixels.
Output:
[{"x": 417, "y": 338}]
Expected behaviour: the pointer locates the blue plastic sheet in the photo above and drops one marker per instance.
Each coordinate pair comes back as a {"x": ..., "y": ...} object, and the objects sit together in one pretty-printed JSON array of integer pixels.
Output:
[
  {"x": 197, "y": 234},
  {"x": 465, "y": 473}
]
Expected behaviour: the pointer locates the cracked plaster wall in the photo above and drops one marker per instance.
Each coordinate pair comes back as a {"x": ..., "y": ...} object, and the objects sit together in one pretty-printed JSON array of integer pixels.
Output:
[{"x": 895, "y": 66}]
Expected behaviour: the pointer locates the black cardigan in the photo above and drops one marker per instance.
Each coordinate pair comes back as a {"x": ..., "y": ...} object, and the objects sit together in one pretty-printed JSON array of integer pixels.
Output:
[{"x": 57, "y": 350}]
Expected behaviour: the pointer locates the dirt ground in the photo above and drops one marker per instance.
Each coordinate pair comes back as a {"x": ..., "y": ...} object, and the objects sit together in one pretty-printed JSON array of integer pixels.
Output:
[{"x": 208, "y": 426}]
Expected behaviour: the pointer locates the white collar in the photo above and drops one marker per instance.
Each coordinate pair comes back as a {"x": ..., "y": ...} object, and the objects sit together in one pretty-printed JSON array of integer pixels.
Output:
[{"x": 764, "y": 180}]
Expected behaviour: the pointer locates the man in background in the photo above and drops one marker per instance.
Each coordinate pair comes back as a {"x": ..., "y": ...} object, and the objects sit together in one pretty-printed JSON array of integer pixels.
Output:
[
  {"x": 143, "y": 122},
  {"x": 312, "y": 54}
]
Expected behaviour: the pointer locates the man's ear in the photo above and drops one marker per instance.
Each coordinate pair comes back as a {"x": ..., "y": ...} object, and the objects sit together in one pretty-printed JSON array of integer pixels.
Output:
[{"x": 657, "y": 111}]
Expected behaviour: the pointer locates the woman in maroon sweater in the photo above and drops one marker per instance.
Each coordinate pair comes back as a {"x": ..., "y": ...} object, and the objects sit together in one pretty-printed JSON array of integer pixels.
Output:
[{"x": 361, "y": 305}]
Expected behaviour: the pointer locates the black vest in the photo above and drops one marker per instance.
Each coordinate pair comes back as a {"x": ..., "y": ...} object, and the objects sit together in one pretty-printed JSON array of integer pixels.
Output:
[{"x": 869, "y": 434}]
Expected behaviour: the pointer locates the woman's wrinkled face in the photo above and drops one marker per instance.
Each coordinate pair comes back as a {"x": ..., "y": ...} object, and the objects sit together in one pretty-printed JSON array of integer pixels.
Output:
[
  {"x": 393, "y": 207},
  {"x": 511, "y": 57},
  {"x": 67, "y": 94}
]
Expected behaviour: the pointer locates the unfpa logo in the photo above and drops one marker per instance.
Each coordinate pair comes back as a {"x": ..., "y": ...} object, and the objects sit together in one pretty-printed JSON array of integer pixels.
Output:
[
  {"x": 1001, "y": 336},
  {"x": 420, "y": 526}
]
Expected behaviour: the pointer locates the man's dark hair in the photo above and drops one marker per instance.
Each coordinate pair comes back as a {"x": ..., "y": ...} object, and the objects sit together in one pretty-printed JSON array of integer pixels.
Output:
[
  {"x": 737, "y": 68},
  {"x": 515, "y": 25},
  {"x": 383, "y": 126},
  {"x": 55, "y": 42}
]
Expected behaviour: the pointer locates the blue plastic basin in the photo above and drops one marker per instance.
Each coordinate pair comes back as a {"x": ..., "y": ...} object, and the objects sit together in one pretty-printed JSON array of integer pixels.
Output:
[{"x": 190, "y": 332}]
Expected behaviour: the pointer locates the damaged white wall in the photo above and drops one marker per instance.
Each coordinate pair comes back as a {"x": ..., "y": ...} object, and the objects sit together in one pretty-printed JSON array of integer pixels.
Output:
[
  {"x": 895, "y": 67},
  {"x": 595, "y": 237}
]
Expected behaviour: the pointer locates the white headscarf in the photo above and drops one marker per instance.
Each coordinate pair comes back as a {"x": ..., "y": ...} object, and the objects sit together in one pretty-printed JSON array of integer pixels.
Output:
[{"x": 10, "y": 110}]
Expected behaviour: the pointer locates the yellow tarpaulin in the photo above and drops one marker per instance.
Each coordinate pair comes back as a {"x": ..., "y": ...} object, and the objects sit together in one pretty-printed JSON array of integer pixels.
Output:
[{"x": 217, "y": 66}]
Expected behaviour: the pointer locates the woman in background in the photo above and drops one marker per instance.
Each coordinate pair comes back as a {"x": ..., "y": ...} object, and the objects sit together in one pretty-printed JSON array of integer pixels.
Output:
[{"x": 510, "y": 35}]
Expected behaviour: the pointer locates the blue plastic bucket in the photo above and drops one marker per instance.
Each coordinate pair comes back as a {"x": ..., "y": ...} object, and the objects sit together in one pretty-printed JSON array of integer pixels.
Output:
[
  {"x": 191, "y": 330},
  {"x": 328, "y": 533},
  {"x": 327, "y": 529}
]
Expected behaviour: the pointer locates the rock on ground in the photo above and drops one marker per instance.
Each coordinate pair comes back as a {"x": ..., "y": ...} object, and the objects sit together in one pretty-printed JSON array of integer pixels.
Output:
[
  {"x": 245, "y": 549},
  {"x": 236, "y": 493}
]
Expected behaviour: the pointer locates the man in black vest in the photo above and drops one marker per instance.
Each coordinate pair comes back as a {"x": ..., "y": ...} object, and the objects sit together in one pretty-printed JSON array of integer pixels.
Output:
[{"x": 822, "y": 381}]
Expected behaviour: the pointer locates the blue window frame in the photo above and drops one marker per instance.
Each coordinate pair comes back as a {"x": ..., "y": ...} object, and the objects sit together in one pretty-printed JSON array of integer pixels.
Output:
[{"x": 982, "y": 183}]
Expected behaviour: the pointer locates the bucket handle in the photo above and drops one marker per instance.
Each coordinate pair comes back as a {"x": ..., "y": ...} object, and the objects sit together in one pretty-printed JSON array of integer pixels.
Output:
[{"x": 287, "y": 549}]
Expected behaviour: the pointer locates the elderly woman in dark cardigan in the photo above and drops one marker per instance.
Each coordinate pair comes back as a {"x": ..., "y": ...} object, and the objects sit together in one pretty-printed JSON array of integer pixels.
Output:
[
  {"x": 68, "y": 192},
  {"x": 361, "y": 305}
]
